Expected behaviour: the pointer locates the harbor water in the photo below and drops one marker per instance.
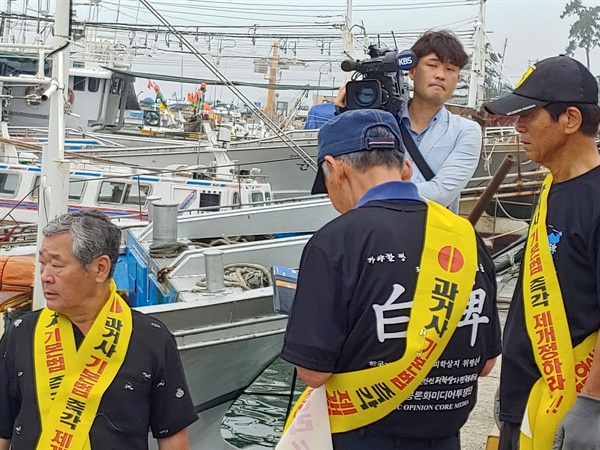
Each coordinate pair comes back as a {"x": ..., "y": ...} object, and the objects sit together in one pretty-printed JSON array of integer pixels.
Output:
[{"x": 255, "y": 421}]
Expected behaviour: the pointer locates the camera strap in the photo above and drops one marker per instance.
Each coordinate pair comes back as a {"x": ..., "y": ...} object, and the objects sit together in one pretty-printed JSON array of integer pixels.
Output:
[{"x": 415, "y": 153}]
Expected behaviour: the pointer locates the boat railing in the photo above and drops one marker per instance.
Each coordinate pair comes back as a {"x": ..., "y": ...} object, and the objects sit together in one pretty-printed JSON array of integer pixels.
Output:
[
  {"x": 534, "y": 173},
  {"x": 35, "y": 52},
  {"x": 285, "y": 252},
  {"x": 222, "y": 208},
  {"x": 18, "y": 234},
  {"x": 500, "y": 135}
]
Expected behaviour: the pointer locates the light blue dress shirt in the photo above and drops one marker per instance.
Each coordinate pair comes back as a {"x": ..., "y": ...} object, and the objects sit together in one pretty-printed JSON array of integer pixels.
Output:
[{"x": 451, "y": 145}]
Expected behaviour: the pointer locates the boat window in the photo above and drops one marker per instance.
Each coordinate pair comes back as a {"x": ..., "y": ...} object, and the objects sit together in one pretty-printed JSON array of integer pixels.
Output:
[
  {"x": 76, "y": 188},
  {"x": 111, "y": 192},
  {"x": 93, "y": 84},
  {"x": 136, "y": 194},
  {"x": 79, "y": 83},
  {"x": 207, "y": 199},
  {"x": 268, "y": 196},
  {"x": 35, "y": 187},
  {"x": 257, "y": 197},
  {"x": 236, "y": 200},
  {"x": 9, "y": 183}
]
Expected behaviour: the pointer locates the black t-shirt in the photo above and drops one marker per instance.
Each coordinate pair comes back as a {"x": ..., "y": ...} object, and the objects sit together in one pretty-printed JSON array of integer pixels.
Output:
[
  {"x": 573, "y": 224},
  {"x": 149, "y": 391},
  {"x": 351, "y": 264}
]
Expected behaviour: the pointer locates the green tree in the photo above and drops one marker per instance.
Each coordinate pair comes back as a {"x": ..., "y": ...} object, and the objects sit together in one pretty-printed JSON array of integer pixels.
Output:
[{"x": 585, "y": 31}]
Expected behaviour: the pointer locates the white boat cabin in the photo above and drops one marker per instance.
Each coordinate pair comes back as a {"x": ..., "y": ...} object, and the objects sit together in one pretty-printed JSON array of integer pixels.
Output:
[{"x": 121, "y": 195}]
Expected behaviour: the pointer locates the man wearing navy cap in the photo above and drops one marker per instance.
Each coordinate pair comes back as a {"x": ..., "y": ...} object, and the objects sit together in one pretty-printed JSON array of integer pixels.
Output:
[
  {"x": 550, "y": 380},
  {"x": 356, "y": 293}
]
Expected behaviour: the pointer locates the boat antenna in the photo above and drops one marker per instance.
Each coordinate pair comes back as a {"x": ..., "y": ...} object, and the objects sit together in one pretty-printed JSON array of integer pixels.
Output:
[{"x": 394, "y": 38}]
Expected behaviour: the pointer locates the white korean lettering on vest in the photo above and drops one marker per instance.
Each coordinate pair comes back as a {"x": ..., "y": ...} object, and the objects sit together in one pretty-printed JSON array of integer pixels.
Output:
[
  {"x": 388, "y": 307},
  {"x": 473, "y": 313}
]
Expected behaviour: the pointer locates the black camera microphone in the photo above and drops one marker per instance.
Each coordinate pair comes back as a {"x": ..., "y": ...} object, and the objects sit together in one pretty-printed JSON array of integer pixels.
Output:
[{"x": 349, "y": 65}]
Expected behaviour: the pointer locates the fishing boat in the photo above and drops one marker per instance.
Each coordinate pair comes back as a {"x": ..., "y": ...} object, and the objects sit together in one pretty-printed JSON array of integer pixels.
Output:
[
  {"x": 226, "y": 335},
  {"x": 122, "y": 192}
]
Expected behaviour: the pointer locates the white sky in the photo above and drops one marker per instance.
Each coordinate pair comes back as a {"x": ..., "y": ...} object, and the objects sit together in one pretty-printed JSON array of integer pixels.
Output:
[{"x": 532, "y": 29}]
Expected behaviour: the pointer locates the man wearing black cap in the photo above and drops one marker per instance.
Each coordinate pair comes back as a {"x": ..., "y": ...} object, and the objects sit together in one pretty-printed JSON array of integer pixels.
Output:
[
  {"x": 355, "y": 306},
  {"x": 550, "y": 380}
]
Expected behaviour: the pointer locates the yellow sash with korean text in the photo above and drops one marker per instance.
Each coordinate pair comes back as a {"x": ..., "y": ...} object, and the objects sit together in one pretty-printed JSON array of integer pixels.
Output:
[
  {"x": 446, "y": 275},
  {"x": 564, "y": 369},
  {"x": 70, "y": 383}
]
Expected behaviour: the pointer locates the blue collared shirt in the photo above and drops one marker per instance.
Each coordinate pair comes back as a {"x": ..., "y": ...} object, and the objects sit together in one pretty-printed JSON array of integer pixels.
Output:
[
  {"x": 392, "y": 190},
  {"x": 451, "y": 145},
  {"x": 418, "y": 137}
]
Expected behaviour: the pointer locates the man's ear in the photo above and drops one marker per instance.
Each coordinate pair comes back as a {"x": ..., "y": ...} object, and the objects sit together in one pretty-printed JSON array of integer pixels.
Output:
[
  {"x": 101, "y": 268},
  {"x": 572, "y": 120},
  {"x": 336, "y": 168},
  {"x": 407, "y": 170}
]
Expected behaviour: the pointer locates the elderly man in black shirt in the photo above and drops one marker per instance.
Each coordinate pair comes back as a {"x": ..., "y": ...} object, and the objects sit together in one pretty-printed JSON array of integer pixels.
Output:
[
  {"x": 87, "y": 372},
  {"x": 366, "y": 277}
]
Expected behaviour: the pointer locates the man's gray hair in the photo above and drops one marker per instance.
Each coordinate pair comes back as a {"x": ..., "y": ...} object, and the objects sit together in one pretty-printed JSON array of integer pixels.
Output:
[
  {"x": 363, "y": 160},
  {"x": 92, "y": 234}
]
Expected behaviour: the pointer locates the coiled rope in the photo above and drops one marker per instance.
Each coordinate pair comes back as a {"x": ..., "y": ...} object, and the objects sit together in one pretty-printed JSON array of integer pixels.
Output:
[
  {"x": 246, "y": 276},
  {"x": 169, "y": 250}
]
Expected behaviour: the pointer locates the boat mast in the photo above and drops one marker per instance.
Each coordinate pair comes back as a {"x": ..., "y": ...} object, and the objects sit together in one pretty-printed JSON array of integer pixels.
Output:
[
  {"x": 306, "y": 158},
  {"x": 478, "y": 61},
  {"x": 273, "y": 69},
  {"x": 348, "y": 38},
  {"x": 54, "y": 181},
  {"x": 6, "y": 22}
]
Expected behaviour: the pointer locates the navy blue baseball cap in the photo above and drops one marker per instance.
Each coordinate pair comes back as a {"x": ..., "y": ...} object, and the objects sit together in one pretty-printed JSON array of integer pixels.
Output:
[
  {"x": 559, "y": 79},
  {"x": 347, "y": 133}
]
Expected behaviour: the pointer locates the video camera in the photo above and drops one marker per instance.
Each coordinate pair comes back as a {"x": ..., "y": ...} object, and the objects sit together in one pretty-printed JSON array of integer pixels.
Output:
[{"x": 381, "y": 85}]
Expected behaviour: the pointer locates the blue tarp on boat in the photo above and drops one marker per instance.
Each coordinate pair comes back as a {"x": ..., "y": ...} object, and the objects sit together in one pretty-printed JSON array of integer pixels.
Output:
[{"x": 318, "y": 115}]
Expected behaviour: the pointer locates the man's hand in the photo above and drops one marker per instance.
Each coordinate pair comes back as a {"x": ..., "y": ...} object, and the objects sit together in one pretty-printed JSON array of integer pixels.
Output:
[
  {"x": 179, "y": 441},
  {"x": 580, "y": 428},
  {"x": 313, "y": 378},
  {"x": 489, "y": 365},
  {"x": 340, "y": 98}
]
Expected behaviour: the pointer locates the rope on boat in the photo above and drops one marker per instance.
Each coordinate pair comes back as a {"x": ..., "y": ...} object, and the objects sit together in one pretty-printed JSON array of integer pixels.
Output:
[
  {"x": 224, "y": 240},
  {"x": 169, "y": 250},
  {"x": 246, "y": 276}
]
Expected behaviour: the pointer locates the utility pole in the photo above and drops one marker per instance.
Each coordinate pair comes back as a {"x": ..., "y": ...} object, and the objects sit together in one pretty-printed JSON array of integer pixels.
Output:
[{"x": 273, "y": 69}]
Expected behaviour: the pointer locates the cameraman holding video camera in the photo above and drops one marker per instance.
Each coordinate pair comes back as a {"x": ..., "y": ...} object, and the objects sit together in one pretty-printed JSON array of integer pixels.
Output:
[{"x": 449, "y": 144}]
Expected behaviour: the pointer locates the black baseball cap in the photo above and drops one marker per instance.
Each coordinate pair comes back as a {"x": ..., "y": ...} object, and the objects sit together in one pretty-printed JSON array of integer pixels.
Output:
[
  {"x": 559, "y": 79},
  {"x": 348, "y": 133}
]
